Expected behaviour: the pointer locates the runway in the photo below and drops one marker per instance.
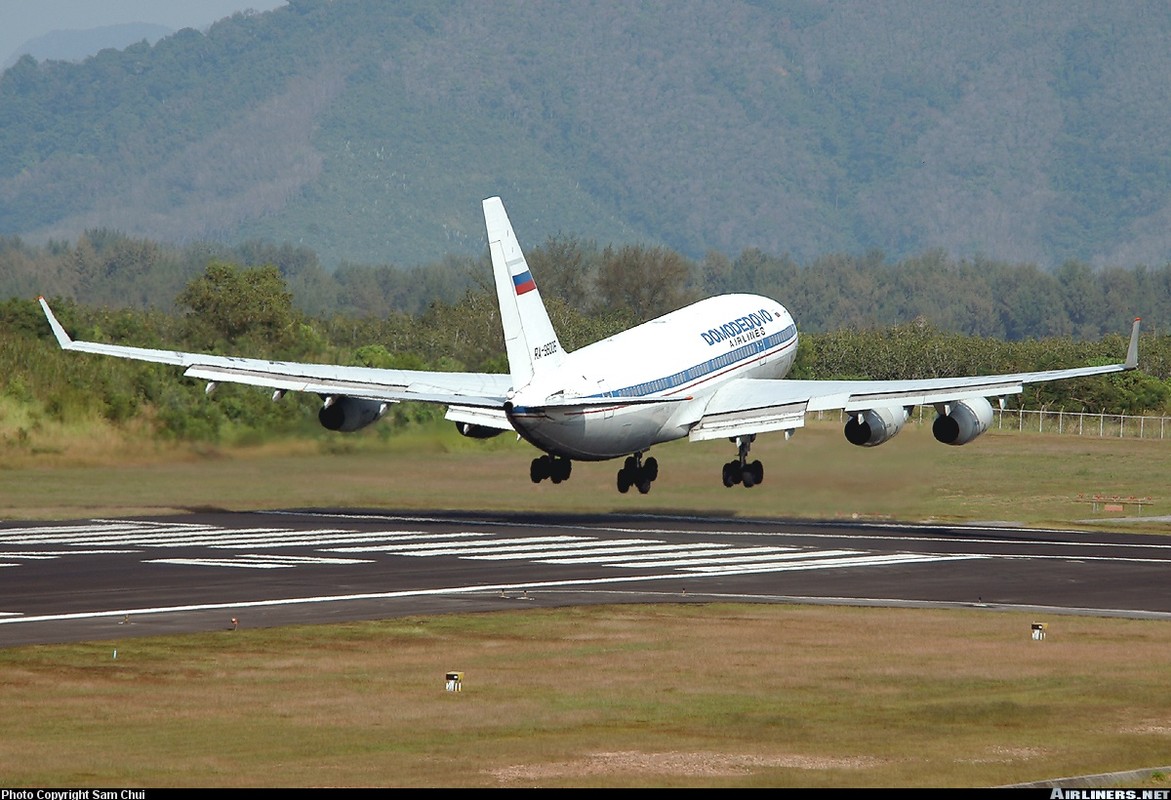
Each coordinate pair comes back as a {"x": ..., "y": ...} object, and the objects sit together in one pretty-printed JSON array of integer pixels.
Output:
[{"x": 107, "y": 579}]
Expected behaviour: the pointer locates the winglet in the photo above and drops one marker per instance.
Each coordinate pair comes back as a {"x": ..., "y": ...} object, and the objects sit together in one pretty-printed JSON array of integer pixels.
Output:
[
  {"x": 1132, "y": 351},
  {"x": 58, "y": 331}
]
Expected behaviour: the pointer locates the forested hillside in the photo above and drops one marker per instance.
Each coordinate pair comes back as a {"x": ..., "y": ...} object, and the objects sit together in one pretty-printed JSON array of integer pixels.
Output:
[
  {"x": 47, "y": 397},
  {"x": 631, "y": 283},
  {"x": 368, "y": 131}
]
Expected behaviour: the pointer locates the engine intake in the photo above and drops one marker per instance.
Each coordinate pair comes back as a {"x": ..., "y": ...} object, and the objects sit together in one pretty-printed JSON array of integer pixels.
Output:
[
  {"x": 875, "y": 425},
  {"x": 966, "y": 420},
  {"x": 348, "y": 414}
]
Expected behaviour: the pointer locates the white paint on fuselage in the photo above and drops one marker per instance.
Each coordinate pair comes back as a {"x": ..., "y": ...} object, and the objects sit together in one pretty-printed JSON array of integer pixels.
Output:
[{"x": 683, "y": 357}]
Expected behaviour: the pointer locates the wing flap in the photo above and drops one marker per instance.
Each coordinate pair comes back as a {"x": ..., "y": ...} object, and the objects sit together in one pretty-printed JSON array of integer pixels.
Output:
[
  {"x": 486, "y": 417},
  {"x": 743, "y": 422},
  {"x": 748, "y": 406}
]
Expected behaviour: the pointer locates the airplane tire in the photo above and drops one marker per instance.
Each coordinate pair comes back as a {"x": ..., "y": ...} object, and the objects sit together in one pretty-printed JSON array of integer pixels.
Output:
[
  {"x": 623, "y": 481},
  {"x": 651, "y": 468},
  {"x": 757, "y": 472},
  {"x": 748, "y": 478},
  {"x": 731, "y": 474}
]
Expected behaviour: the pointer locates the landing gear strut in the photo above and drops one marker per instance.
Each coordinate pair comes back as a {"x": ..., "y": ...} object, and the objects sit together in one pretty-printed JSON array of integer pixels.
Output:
[
  {"x": 555, "y": 468},
  {"x": 636, "y": 472},
  {"x": 739, "y": 470}
]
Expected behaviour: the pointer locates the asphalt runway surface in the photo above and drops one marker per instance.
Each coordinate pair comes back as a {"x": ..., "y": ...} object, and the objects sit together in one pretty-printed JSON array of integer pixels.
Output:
[{"x": 108, "y": 579}]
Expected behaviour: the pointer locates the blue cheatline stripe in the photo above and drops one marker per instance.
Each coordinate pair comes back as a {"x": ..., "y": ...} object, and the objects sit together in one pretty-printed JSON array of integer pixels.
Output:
[
  {"x": 523, "y": 282},
  {"x": 700, "y": 371}
]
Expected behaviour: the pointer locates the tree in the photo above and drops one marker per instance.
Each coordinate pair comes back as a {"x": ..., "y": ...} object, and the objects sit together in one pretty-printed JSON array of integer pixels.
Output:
[
  {"x": 645, "y": 281},
  {"x": 564, "y": 267},
  {"x": 229, "y": 303}
]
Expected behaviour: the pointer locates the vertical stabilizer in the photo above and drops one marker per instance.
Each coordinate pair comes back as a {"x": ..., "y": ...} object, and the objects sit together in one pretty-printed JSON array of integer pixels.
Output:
[{"x": 529, "y": 338}]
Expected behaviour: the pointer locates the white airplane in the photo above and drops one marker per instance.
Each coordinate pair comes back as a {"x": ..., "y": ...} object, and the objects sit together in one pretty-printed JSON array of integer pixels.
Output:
[{"x": 714, "y": 369}]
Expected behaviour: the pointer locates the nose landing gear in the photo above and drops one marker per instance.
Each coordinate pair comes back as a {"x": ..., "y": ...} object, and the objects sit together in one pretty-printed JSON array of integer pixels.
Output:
[{"x": 740, "y": 470}]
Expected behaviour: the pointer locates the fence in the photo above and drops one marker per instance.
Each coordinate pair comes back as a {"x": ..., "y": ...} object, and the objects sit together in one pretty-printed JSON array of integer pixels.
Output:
[
  {"x": 1084, "y": 424},
  {"x": 1069, "y": 423}
]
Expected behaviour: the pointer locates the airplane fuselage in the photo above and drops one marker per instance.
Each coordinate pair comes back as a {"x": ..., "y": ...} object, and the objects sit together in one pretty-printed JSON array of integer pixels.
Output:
[{"x": 659, "y": 374}]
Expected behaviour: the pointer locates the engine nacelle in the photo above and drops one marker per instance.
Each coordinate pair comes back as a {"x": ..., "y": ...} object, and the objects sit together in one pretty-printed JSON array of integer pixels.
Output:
[
  {"x": 875, "y": 426},
  {"x": 349, "y": 414},
  {"x": 966, "y": 420},
  {"x": 477, "y": 431}
]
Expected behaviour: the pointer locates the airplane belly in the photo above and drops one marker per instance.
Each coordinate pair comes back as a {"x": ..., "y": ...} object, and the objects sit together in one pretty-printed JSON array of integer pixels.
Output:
[{"x": 593, "y": 433}]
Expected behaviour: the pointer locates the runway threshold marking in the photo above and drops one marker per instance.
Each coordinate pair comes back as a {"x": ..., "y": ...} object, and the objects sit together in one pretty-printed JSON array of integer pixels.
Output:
[{"x": 346, "y": 545}]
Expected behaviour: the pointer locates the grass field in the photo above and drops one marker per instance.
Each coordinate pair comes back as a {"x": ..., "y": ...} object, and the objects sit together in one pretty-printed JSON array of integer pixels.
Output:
[
  {"x": 1030, "y": 478},
  {"x": 673, "y": 695}
]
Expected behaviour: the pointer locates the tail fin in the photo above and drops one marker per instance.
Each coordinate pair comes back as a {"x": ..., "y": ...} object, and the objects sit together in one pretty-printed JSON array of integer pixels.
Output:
[{"x": 529, "y": 338}]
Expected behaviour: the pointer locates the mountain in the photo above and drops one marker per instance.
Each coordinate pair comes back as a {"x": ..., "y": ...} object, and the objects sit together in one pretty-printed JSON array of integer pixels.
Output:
[
  {"x": 370, "y": 131},
  {"x": 74, "y": 45}
]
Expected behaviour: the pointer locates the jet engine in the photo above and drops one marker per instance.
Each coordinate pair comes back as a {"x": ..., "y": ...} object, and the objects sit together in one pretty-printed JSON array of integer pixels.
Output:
[
  {"x": 963, "y": 422},
  {"x": 875, "y": 425},
  {"x": 349, "y": 414},
  {"x": 477, "y": 431}
]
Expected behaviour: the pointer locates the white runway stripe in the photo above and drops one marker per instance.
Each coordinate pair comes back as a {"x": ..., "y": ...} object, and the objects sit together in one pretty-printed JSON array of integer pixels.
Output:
[
  {"x": 259, "y": 561},
  {"x": 34, "y": 554},
  {"x": 741, "y": 556},
  {"x": 493, "y": 549},
  {"x": 499, "y": 543},
  {"x": 601, "y": 548},
  {"x": 652, "y": 553},
  {"x": 97, "y": 533},
  {"x": 114, "y": 527},
  {"x": 167, "y": 538},
  {"x": 303, "y": 539},
  {"x": 71, "y": 539},
  {"x": 226, "y": 562},
  {"x": 835, "y": 563},
  {"x": 387, "y": 541}
]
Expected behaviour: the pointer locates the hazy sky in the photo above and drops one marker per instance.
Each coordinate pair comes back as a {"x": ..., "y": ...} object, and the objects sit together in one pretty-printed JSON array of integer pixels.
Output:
[{"x": 21, "y": 20}]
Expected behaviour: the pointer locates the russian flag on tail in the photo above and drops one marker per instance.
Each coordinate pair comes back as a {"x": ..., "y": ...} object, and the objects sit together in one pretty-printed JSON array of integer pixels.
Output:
[{"x": 523, "y": 282}]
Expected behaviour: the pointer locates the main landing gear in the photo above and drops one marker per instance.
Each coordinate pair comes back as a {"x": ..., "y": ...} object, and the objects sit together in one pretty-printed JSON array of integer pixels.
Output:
[
  {"x": 555, "y": 468},
  {"x": 636, "y": 472},
  {"x": 740, "y": 471}
]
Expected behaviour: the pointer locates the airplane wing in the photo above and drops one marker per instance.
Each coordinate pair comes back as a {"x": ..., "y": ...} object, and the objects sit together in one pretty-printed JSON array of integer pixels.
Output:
[
  {"x": 466, "y": 389},
  {"x": 750, "y": 405}
]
